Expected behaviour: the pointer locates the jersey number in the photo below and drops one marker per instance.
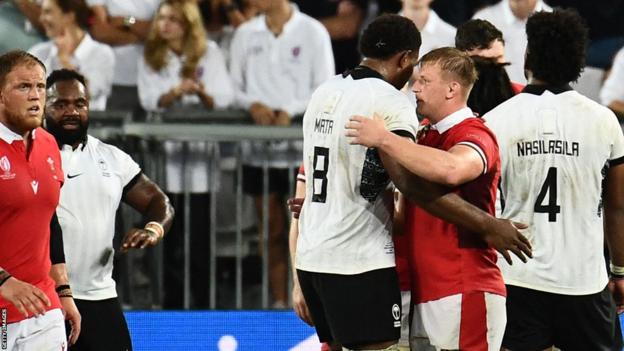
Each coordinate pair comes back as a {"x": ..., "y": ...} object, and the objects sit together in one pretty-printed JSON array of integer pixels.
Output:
[
  {"x": 550, "y": 187},
  {"x": 319, "y": 177}
]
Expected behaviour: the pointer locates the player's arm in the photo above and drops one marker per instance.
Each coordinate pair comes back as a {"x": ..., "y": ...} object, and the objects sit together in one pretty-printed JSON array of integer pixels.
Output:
[
  {"x": 147, "y": 198},
  {"x": 58, "y": 272},
  {"x": 614, "y": 229},
  {"x": 298, "y": 301},
  {"x": 460, "y": 164}
]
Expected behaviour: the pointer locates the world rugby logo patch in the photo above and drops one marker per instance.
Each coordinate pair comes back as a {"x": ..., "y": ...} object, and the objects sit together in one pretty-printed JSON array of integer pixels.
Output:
[{"x": 396, "y": 313}]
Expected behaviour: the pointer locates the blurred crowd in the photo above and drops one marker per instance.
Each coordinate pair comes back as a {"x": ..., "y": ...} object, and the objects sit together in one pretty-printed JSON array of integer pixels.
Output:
[{"x": 266, "y": 57}]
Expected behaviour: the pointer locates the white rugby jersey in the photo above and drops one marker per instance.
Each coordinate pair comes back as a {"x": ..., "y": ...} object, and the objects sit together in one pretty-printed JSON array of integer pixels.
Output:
[
  {"x": 554, "y": 148},
  {"x": 95, "y": 175},
  {"x": 345, "y": 226}
]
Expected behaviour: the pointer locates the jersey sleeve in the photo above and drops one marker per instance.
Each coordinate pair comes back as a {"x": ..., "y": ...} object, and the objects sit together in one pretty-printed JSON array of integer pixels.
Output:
[
  {"x": 400, "y": 115},
  {"x": 482, "y": 140},
  {"x": 127, "y": 168}
]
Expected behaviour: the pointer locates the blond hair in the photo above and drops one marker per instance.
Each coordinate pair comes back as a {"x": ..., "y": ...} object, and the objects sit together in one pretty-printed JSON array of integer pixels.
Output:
[
  {"x": 193, "y": 43},
  {"x": 453, "y": 62}
]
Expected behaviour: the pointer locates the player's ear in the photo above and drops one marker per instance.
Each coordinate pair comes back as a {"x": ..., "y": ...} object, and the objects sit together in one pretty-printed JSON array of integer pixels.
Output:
[
  {"x": 405, "y": 59},
  {"x": 453, "y": 89}
]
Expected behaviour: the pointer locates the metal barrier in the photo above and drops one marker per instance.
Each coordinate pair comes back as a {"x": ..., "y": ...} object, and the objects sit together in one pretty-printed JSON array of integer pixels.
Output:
[{"x": 148, "y": 138}]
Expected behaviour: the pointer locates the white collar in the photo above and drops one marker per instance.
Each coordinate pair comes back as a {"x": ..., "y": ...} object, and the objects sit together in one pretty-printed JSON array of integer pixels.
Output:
[
  {"x": 10, "y": 136},
  {"x": 453, "y": 119},
  {"x": 511, "y": 18}
]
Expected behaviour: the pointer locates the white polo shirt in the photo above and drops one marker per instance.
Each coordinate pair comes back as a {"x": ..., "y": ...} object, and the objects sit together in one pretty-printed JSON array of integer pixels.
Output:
[
  {"x": 554, "y": 147},
  {"x": 436, "y": 34},
  {"x": 345, "y": 226},
  {"x": 94, "y": 60},
  {"x": 613, "y": 88},
  {"x": 96, "y": 174},
  {"x": 283, "y": 71},
  {"x": 514, "y": 33},
  {"x": 212, "y": 73},
  {"x": 128, "y": 55}
]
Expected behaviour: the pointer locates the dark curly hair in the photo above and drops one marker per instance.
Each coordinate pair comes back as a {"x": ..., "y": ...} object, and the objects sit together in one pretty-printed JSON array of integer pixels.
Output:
[
  {"x": 556, "y": 46},
  {"x": 492, "y": 87},
  {"x": 387, "y": 35},
  {"x": 62, "y": 75},
  {"x": 477, "y": 34}
]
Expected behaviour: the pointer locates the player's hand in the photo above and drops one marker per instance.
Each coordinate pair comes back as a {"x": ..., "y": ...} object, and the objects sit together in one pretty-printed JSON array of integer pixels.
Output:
[
  {"x": 70, "y": 311},
  {"x": 616, "y": 286},
  {"x": 504, "y": 236},
  {"x": 261, "y": 113},
  {"x": 138, "y": 238},
  {"x": 300, "y": 306},
  {"x": 294, "y": 205},
  {"x": 26, "y": 297},
  {"x": 369, "y": 132}
]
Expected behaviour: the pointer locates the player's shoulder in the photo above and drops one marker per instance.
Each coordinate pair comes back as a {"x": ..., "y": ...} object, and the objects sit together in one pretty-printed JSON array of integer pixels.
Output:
[
  {"x": 43, "y": 137},
  {"x": 508, "y": 108},
  {"x": 475, "y": 128},
  {"x": 108, "y": 151}
]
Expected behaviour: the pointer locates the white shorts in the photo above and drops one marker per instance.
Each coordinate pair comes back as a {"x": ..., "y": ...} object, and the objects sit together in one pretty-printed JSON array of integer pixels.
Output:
[
  {"x": 473, "y": 321},
  {"x": 42, "y": 333}
]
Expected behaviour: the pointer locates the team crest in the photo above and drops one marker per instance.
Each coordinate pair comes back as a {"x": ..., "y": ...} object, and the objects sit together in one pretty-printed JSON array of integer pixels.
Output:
[
  {"x": 296, "y": 51},
  {"x": 5, "y": 167}
]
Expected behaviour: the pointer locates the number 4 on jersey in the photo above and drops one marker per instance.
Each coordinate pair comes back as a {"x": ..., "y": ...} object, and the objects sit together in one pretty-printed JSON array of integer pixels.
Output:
[{"x": 550, "y": 187}]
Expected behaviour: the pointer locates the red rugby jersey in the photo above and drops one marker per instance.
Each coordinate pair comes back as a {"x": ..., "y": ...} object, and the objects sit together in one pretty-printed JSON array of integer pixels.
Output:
[
  {"x": 30, "y": 188},
  {"x": 444, "y": 259}
]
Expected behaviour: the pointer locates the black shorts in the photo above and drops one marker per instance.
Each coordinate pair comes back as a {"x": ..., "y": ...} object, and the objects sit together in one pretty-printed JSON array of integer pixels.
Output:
[
  {"x": 537, "y": 320},
  {"x": 103, "y": 327},
  {"x": 354, "y": 310},
  {"x": 281, "y": 180}
]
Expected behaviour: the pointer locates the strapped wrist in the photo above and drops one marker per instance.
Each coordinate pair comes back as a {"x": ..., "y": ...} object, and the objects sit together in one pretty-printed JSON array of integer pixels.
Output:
[
  {"x": 617, "y": 272},
  {"x": 64, "y": 291},
  {"x": 4, "y": 276},
  {"x": 156, "y": 228}
]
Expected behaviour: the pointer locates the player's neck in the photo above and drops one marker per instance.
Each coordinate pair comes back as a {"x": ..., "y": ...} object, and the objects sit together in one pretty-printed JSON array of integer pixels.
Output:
[{"x": 445, "y": 111}]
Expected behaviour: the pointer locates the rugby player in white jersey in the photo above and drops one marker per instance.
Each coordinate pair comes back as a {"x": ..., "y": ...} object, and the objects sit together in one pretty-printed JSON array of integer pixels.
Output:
[
  {"x": 344, "y": 253},
  {"x": 562, "y": 174}
]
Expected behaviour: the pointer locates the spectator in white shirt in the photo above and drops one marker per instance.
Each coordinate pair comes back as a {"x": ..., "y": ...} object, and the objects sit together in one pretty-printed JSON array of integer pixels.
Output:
[
  {"x": 124, "y": 25},
  {"x": 71, "y": 47},
  {"x": 510, "y": 16},
  {"x": 612, "y": 92},
  {"x": 435, "y": 33},
  {"x": 181, "y": 68},
  {"x": 276, "y": 61}
]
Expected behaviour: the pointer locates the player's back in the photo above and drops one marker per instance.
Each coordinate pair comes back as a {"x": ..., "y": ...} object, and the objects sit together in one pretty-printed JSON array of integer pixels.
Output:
[
  {"x": 345, "y": 223},
  {"x": 554, "y": 148}
]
